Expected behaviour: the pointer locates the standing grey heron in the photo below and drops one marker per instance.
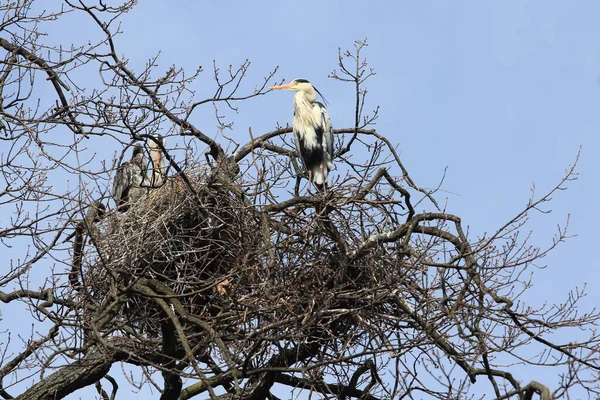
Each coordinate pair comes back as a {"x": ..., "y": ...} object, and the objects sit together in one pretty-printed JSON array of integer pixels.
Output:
[
  {"x": 127, "y": 186},
  {"x": 312, "y": 131},
  {"x": 131, "y": 181}
]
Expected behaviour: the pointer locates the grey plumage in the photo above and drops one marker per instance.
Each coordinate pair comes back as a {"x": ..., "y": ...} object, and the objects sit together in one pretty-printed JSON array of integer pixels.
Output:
[
  {"x": 127, "y": 186},
  {"x": 133, "y": 180}
]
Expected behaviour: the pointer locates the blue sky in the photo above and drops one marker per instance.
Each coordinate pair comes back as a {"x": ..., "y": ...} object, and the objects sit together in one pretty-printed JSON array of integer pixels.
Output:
[{"x": 501, "y": 93}]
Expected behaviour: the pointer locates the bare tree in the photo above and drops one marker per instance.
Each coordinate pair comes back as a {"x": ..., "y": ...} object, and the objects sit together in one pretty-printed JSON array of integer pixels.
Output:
[{"x": 233, "y": 275}]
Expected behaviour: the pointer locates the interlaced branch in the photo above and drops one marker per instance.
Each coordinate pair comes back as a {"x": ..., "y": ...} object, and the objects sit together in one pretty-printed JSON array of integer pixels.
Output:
[{"x": 234, "y": 278}]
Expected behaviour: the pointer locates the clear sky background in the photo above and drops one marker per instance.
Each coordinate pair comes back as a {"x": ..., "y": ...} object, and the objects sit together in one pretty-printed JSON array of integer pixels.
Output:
[{"x": 499, "y": 93}]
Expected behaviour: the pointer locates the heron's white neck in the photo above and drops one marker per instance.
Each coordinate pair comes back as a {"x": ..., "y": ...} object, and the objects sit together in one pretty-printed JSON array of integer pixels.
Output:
[
  {"x": 303, "y": 103},
  {"x": 308, "y": 96},
  {"x": 158, "y": 168}
]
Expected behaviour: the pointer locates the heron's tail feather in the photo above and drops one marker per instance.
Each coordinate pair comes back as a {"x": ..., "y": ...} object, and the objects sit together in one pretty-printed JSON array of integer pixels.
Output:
[{"x": 319, "y": 177}]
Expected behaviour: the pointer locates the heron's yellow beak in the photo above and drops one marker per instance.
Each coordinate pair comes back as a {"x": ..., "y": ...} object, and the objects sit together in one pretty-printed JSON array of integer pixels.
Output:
[{"x": 287, "y": 86}]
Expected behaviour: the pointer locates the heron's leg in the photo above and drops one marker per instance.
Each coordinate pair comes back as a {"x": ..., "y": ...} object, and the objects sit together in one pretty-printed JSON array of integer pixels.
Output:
[
  {"x": 322, "y": 168},
  {"x": 297, "y": 186}
]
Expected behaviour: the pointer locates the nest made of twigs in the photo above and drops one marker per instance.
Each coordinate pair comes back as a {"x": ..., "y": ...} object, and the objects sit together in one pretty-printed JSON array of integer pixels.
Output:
[
  {"x": 189, "y": 239},
  {"x": 240, "y": 269}
]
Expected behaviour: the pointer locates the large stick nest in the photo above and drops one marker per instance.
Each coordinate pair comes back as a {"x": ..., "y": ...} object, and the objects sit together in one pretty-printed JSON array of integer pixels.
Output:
[
  {"x": 191, "y": 240},
  {"x": 244, "y": 269}
]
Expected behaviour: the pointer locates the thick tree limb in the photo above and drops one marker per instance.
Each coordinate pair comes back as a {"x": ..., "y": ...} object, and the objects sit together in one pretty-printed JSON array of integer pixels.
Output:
[
  {"x": 323, "y": 387},
  {"x": 93, "y": 366}
]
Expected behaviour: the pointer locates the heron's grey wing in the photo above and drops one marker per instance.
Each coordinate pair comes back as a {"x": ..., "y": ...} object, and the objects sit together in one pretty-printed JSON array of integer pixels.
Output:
[
  {"x": 120, "y": 183},
  {"x": 137, "y": 172},
  {"x": 138, "y": 185},
  {"x": 298, "y": 147},
  {"x": 297, "y": 141},
  {"x": 327, "y": 134}
]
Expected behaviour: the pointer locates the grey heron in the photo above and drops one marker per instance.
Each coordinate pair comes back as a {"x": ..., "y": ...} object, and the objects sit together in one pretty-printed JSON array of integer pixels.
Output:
[
  {"x": 127, "y": 186},
  {"x": 131, "y": 180},
  {"x": 312, "y": 131}
]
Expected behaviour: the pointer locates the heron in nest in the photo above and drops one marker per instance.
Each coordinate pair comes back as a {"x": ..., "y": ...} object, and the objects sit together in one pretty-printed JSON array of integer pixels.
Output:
[{"x": 133, "y": 180}]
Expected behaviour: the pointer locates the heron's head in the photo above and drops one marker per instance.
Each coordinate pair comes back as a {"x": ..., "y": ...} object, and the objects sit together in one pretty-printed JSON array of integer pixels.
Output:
[
  {"x": 297, "y": 85},
  {"x": 153, "y": 142},
  {"x": 137, "y": 149},
  {"x": 303, "y": 86}
]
